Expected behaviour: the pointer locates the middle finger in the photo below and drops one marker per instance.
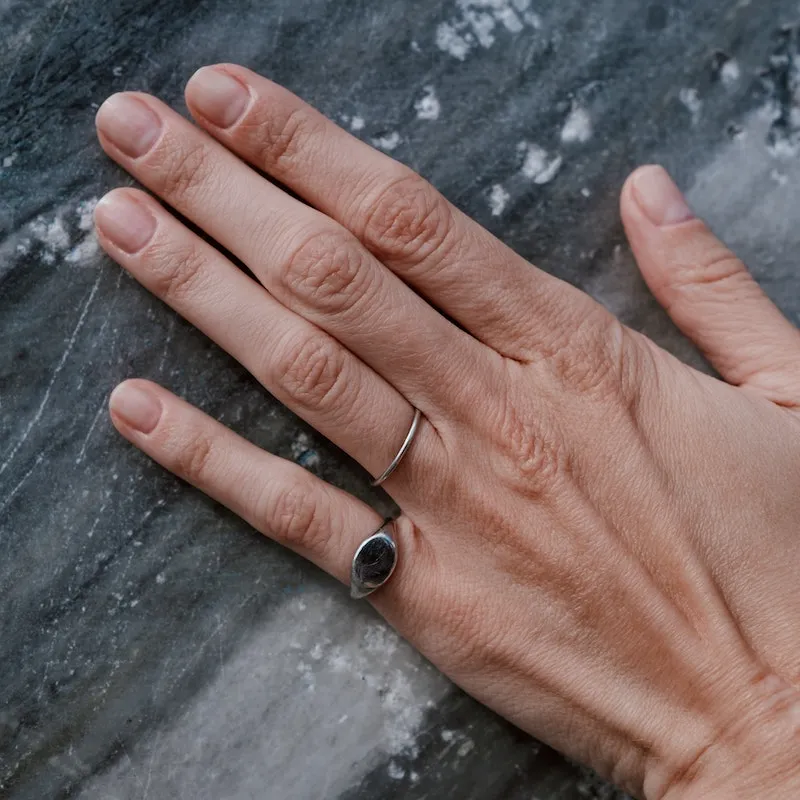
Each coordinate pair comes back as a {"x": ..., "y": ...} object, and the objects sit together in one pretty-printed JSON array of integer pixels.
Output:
[{"x": 310, "y": 263}]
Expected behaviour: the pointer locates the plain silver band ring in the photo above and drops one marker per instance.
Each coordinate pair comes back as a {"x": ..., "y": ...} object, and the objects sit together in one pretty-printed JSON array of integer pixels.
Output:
[{"x": 412, "y": 432}]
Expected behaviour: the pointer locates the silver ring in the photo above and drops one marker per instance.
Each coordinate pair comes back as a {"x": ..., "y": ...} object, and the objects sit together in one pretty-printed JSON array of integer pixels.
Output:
[
  {"x": 412, "y": 432},
  {"x": 373, "y": 563}
]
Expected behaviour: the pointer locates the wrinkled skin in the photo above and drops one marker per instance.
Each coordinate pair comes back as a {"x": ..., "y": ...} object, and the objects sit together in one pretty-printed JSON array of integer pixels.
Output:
[{"x": 597, "y": 541}]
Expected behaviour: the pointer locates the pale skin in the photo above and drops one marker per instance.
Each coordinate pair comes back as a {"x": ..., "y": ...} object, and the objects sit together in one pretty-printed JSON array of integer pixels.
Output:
[{"x": 597, "y": 541}]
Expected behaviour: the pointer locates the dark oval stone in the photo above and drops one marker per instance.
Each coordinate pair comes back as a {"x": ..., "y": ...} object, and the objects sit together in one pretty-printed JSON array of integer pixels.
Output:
[{"x": 373, "y": 564}]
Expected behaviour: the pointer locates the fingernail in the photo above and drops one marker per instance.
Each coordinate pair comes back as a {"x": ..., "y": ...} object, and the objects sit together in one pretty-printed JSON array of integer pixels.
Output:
[
  {"x": 135, "y": 406},
  {"x": 659, "y": 197},
  {"x": 131, "y": 125},
  {"x": 220, "y": 98},
  {"x": 124, "y": 221}
]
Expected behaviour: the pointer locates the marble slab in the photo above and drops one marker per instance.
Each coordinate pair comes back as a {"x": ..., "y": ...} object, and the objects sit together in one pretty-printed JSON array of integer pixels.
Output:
[{"x": 151, "y": 645}]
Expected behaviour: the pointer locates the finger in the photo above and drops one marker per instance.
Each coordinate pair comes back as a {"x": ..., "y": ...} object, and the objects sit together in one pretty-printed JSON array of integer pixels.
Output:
[
  {"x": 461, "y": 268},
  {"x": 300, "y": 364},
  {"x": 708, "y": 292},
  {"x": 308, "y": 262},
  {"x": 277, "y": 497}
]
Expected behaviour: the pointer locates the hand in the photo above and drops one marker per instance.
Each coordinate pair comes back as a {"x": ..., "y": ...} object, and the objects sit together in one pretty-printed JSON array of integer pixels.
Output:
[{"x": 597, "y": 541}]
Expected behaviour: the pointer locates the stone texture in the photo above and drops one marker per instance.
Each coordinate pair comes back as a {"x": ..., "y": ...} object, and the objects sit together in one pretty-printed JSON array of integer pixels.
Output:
[{"x": 150, "y": 644}]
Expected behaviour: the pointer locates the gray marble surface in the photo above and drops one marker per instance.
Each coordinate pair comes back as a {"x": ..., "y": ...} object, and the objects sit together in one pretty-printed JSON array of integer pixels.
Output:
[{"x": 151, "y": 645}]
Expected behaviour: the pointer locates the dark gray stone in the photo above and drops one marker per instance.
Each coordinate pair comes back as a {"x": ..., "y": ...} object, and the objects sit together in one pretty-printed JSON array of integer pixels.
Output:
[{"x": 150, "y": 644}]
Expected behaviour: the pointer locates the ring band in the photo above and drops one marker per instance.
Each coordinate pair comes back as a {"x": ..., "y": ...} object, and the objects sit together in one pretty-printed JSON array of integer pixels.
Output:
[
  {"x": 412, "y": 432},
  {"x": 373, "y": 563}
]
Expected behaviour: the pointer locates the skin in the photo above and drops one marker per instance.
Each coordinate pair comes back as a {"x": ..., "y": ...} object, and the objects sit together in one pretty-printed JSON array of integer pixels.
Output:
[{"x": 597, "y": 541}]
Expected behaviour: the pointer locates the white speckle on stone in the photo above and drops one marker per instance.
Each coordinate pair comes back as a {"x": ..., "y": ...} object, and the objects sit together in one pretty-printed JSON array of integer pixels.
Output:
[
  {"x": 8, "y": 161},
  {"x": 316, "y": 651},
  {"x": 52, "y": 235},
  {"x": 730, "y": 72},
  {"x": 380, "y": 640},
  {"x": 415, "y": 46},
  {"x": 83, "y": 252},
  {"x": 117, "y": 72},
  {"x": 447, "y": 735},
  {"x": 161, "y": 579},
  {"x": 388, "y": 142},
  {"x": 357, "y": 123},
  {"x": 300, "y": 444},
  {"x": 24, "y": 247},
  {"x": 85, "y": 212},
  {"x": 307, "y": 673},
  {"x": 498, "y": 200},
  {"x": 538, "y": 165},
  {"x": 451, "y": 41},
  {"x": 770, "y": 111},
  {"x": 395, "y": 771},
  {"x": 428, "y": 106},
  {"x": 476, "y": 23},
  {"x": 482, "y": 25},
  {"x": 465, "y": 748},
  {"x": 510, "y": 19},
  {"x": 783, "y": 149},
  {"x": 533, "y": 19},
  {"x": 303, "y": 452},
  {"x": 779, "y": 177},
  {"x": 586, "y": 192},
  {"x": 692, "y": 102},
  {"x": 578, "y": 126}
]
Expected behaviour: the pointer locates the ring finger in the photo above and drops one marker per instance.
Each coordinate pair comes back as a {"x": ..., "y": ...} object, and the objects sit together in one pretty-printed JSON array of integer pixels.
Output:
[{"x": 300, "y": 364}]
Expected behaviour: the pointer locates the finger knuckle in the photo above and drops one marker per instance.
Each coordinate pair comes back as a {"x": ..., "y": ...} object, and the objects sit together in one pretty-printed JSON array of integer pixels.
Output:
[
  {"x": 719, "y": 268},
  {"x": 408, "y": 220},
  {"x": 174, "y": 275},
  {"x": 193, "y": 461},
  {"x": 293, "y": 517},
  {"x": 534, "y": 456},
  {"x": 284, "y": 136},
  {"x": 587, "y": 357},
  {"x": 327, "y": 271},
  {"x": 312, "y": 371},
  {"x": 183, "y": 167},
  {"x": 588, "y": 367}
]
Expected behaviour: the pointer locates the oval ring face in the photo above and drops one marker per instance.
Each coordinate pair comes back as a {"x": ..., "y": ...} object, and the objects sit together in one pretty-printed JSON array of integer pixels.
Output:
[{"x": 373, "y": 564}]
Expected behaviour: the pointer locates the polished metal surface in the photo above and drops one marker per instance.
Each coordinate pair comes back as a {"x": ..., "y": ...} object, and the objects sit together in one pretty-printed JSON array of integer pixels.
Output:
[
  {"x": 412, "y": 432},
  {"x": 373, "y": 563}
]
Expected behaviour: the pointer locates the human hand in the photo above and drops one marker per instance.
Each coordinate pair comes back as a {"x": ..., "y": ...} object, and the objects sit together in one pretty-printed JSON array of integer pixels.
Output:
[{"x": 597, "y": 541}]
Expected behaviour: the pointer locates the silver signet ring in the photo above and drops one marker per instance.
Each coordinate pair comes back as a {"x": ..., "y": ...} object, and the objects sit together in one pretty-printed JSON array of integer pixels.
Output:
[{"x": 373, "y": 563}]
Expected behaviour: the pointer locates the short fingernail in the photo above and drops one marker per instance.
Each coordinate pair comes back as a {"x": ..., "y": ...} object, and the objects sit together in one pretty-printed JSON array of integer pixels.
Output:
[
  {"x": 131, "y": 125},
  {"x": 220, "y": 98},
  {"x": 659, "y": 197},
  {"x": 135, "y": 406},
  {"x": 125, "y": 222}
]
